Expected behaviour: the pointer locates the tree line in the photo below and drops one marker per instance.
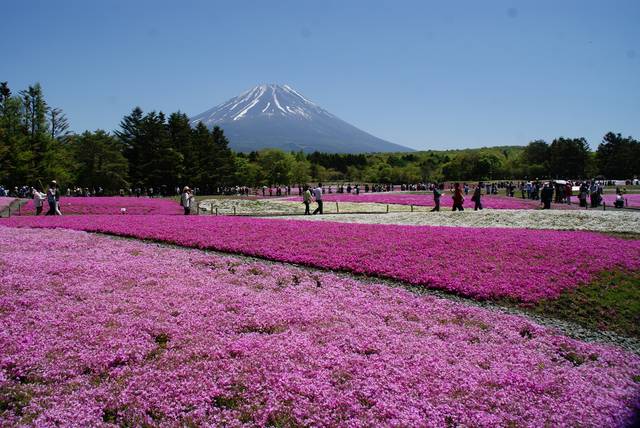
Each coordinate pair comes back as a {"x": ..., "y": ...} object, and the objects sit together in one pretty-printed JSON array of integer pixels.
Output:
[{"x": 153, "y": 150}]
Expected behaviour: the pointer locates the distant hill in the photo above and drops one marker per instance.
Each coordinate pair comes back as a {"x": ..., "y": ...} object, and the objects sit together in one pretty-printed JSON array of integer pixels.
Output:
[{"x": 274, "y": 116}]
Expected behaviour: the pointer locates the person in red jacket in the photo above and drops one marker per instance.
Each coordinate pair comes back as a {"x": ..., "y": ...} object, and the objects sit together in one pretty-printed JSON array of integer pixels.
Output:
[{"x": 458, "y": 197}]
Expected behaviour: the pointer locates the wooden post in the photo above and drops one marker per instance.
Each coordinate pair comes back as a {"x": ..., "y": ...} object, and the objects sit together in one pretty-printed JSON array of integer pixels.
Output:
[
  {"x": 387, "y": 208},
  {"x": 216, "y": 210},
  {"x": 411, "y": 208},
  {"x": 337, "y": 208},
  {"x": 234, "y": 210}
]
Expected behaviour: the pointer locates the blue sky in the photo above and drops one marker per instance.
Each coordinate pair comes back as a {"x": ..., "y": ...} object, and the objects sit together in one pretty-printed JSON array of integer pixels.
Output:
[{"x": 425, "y": 74}]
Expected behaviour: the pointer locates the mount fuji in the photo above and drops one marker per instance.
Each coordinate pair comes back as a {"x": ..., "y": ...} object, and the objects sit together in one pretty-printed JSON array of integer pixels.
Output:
[{"x": 276, "y": 116}]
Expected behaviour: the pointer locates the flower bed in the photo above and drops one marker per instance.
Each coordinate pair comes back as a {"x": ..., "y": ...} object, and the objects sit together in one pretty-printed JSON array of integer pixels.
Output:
[
  {"x": 484, "y": 263},
  {"x": 632, "y": 200},
  {"x": 618, "y": 221},
  {"x": 110, "y": 205},
  {"x": 5, "y": 202},
  {"x": 493, "y": 202},
  {"x": 131, "y": 334}
]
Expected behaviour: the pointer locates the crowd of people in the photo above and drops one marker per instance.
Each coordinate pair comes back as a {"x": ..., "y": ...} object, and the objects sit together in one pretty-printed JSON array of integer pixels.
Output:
[{"x": 588, "y": 193}]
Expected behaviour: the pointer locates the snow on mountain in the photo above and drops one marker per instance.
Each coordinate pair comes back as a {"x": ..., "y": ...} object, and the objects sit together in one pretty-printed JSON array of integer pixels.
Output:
[{"x": 280, "y": 117}]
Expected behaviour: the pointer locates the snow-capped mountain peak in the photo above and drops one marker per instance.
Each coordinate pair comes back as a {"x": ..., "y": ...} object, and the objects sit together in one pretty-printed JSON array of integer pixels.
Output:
[
  {"x": 271, "y": 115},
  {"x": 262, "y": 100}
]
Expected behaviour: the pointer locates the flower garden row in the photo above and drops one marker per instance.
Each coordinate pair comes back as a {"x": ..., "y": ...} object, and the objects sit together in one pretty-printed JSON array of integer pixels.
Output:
[
  {"x": 493, "y": 202},
  {"x": 484, "y": 263},
  {"x": 5, "y": 202},
  {"x": 111, "y": 205},
  {"x": 631, "y": 199},
  {"x": 132, "y": 334}
]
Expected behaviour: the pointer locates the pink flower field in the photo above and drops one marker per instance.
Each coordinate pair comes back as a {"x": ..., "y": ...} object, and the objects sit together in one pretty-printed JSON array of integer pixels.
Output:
[
  {"x": 484, "y": 263},
  {"x": 492, "y": 201},
  {"x": 632, "y": 199},
  {"x": 110, "y": 205},
  {"x": 99, "y": 331},
  {"x": 5, "y": 202}
]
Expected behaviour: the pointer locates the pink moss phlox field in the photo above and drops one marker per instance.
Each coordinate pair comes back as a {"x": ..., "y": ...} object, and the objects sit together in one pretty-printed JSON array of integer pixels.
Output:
[
  {"x": 493, "y": 202},
  {"x": 484, "y": 263},
  {"x": 98, "y": 330},
  {"x": 5, "y": 202},
  {"x": 110, "y": 205},
  {"x": 631, "y": 199}
]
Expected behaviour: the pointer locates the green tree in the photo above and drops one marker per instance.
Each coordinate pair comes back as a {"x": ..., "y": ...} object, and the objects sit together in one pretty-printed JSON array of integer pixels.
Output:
[
  {"x": 246, "y": 172},
  {"x": 161, "y": 164},
  {"x": 222, "y": 158},
  {"x": 276, "y": 165},
  {"x": 100, "y": 161},
  {"x": 12, "y": 136},
  {"x": 618, "y": 157},
  {"x": 201, "y": 144},
  {"x": 569, "y": 158},
  {"x": 36, "y": 154},
  {"x": 536, "y": 152},
  {"x": 535, "y": 158},
  {"x": 130, "y": 135},
  {"x": 180, "y": 136},
  {"x": 58, "y": 124},
  {"x": 301, "y": 171}
]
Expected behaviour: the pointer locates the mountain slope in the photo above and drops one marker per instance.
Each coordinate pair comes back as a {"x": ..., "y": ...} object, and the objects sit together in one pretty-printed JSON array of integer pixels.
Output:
[{"x": 279, "y": 117}]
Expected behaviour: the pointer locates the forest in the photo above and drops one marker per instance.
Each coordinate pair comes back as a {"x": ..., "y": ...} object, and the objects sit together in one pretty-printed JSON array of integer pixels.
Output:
[{"x": 151, "y": 149}]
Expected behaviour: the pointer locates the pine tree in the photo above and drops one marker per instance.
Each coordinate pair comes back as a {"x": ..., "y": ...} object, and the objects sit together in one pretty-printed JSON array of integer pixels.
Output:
[
  {"x": 180, "y": 136},
  {"x": 222, "y": 160},
  {"x": 201, "y": 145},
  {"x": 618, "y": 157},
  {"x": 130, "y": 135},
  {"x": 159, "y": 163},
  {"x": 100, "y": 161},
  {"x": 58, "y": 124},
  {"x": 36, "y": 154}
]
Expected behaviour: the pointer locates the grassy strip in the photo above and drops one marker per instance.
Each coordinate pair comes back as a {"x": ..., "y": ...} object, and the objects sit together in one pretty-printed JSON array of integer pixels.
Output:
[
  {"x": 610, "y": 303},
  {"x": 623, "y": 235}
]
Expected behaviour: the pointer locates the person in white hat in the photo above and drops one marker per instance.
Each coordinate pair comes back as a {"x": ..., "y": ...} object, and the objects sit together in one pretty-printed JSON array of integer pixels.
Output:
[
  {"x": 38, "y": 200},
  {"x": 186, "y": 199}
]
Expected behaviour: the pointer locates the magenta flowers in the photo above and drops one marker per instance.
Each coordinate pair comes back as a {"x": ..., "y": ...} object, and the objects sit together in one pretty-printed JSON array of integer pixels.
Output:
[
  {"x": 111, "y": 205},
  {"x": 492, "y": 201},
  {"x": 483, "y": 263},
  {"x": 631, "y": 199},
  {"x": 5, "y": 202},
  {"x": 97, "y": 331}
]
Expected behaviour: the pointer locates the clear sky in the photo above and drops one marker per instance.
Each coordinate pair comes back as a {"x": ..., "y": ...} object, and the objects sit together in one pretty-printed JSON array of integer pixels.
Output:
[{"x": 425, "y": 74}]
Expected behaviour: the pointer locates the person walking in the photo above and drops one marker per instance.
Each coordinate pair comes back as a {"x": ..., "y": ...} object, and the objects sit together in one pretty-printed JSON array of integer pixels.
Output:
[
  {"x": 186, "y": 199},
  {"x": 317, "y": 194},
  {"x": 582, "y": 195},
  {"x": 568, "y": 192},
  {"x": 38, "y": 200},
  {"x": 437, "y": 193},
  {"x": 546, "y": 196},
  {"x": 306, "y": 199},
  {"x": 458, "y": 198},
  {"x": 477, "y": 194},
  {"x": 53, "y": 198}
]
